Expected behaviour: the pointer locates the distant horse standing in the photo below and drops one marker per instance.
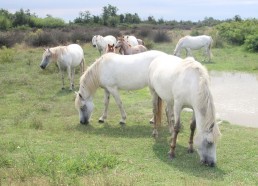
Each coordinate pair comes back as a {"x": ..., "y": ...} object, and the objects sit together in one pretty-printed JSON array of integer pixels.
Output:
[
  {"x": 185, "y": 84},
  {"x": 113, "y": 72},
  {"x": 67, "y": 57},
  {"x": 195, "y": 43},
  {"x": 101, "y": 42},
  {"x": 128, "y": 49}
]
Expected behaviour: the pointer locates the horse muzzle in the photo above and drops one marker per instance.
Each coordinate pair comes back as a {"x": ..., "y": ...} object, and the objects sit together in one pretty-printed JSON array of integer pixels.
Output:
[
  {"x": 42, "y": 67},
  {"x": 94, "y": 45},
  {"x": 84, "y": 121}
]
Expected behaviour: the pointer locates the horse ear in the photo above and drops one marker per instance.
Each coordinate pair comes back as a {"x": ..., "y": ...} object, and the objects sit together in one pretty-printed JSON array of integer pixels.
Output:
[
  {"x": 76, "y": 93},
  {"x": 113, "y": 45}
]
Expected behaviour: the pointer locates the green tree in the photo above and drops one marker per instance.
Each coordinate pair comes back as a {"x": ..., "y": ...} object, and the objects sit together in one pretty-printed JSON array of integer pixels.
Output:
[{"x": 109, "y": 11}]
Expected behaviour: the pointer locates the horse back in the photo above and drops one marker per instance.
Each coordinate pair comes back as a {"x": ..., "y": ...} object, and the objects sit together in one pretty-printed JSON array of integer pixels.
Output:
[{"x": 128, "y": 72}]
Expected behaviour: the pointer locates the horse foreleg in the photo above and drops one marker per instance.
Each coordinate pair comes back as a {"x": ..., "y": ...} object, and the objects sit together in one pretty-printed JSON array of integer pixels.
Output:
[
  {"x": 175, "y": 131},
  {"x": 106, "y": 103},
  {"x": 192, "y": 127},
  {"x": 188, "y": 52},
  {"x": 116, "y": 96}
]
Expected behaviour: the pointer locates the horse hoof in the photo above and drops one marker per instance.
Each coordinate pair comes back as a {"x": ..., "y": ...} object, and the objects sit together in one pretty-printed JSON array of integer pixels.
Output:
[
  {"x": 171, "y": 156},
  {"x": 190, "y": 150},
  {"x": 122, "y": 123},
  {"x": 101, "y": 121}
]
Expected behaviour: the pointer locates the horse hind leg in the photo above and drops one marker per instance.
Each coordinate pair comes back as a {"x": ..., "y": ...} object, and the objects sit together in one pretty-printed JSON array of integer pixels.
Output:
[
  {"x": 192, "y": 128},
  {"x": 175, "y": 130}
]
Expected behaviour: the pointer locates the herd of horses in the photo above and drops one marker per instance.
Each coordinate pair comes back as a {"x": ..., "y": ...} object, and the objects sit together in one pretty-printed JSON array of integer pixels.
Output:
[{"x": 126, "y": 64}]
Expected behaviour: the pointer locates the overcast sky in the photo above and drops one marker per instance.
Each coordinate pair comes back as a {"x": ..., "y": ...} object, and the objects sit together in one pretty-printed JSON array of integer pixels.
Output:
[{"x": 193, "y": 10}]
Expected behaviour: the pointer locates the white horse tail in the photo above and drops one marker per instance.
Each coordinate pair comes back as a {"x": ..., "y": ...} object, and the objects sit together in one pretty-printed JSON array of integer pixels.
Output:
[{"x": 82, "y": 65}]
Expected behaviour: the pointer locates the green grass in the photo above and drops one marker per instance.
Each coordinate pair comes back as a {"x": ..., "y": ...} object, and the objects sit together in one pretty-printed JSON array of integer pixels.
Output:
[{"x": 42, "y": 142}]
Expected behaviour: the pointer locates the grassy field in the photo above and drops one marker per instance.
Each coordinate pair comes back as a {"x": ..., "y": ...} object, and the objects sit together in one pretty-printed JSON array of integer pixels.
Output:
[{"x": 42, "y": 142}]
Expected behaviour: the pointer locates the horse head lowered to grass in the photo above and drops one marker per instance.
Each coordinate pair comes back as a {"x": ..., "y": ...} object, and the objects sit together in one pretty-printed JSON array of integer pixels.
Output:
[
  {"x": 194, "y": 43},
  {"x": 112, "y": 72},
  {"x": 185, "y": 83}
]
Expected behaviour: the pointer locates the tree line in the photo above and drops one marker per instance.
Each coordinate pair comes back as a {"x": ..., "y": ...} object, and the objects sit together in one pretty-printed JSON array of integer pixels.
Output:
[{"x": 109, "y": 17}]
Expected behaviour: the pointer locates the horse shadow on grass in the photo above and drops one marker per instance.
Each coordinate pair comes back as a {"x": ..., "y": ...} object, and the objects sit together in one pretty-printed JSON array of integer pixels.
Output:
[
  {"x": 184, "y": 161},
  {"x": 139, "y": 130}
]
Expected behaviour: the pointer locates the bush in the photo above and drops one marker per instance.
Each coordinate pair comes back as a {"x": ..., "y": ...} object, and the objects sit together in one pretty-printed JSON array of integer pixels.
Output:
[
  {"x": 6, "y": 55},
  {"x": 251, "y": 42},
  {"x": 9, "y": 39},
  {"x": 161, "y": 36},
  {"x": 148, "y": 44},
  {"x": 40, "y": 38}
]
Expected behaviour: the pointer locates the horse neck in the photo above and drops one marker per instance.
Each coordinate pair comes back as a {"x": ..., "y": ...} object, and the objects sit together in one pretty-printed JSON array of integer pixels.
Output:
[
  {"x": 126, "y": 47},
  {"x": 89, "y": 81},
  {"x": 178, "y": 47}
]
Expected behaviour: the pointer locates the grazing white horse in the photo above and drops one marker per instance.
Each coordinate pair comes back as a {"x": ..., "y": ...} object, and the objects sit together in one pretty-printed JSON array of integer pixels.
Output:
[
  {"x": 131, "y": 40},
  {"x": 101, "y": 42},
  {"x": 127, "y": 49},
  {"x": 67, "y": 57},
  {"x": 185, "y": 84},
  {"x": 195, "y": 43},
  {"x": 113, "y": 72}
]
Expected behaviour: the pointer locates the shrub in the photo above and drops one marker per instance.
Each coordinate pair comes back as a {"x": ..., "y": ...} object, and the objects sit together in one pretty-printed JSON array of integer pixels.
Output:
[
  {"x": 161, "y": 36},
  {"x": 40, "y": 38},
  {"x": 7, "y": 55},
  {"x": 9, "y": 39},
  {"x": 251, "y": 42},
  {"x": 148, "y": 44}
]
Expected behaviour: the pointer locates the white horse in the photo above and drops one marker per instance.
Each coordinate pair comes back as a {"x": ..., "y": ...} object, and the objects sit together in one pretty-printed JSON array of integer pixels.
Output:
[
  {"x": 101, "y": 42},
  {"x": 185, "y": 84},
  {"x": 67, "y": 57},
  {"x": 131, "y": 40},
  {"x": 112, "y": 72},
  {"x": 195, "y": 43}
]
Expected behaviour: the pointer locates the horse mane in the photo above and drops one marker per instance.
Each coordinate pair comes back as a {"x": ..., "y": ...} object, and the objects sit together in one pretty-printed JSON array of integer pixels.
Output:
[
  {"x": 205, "y": 99},
  {"x": 90, "y": 78},
  {"x": 58, "y": 51}
]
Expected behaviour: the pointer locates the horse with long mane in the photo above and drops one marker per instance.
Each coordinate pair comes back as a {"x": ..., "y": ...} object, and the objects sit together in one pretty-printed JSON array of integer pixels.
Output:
[
  {"x": 128, "y": 49},
  {"x": 101, "y": 42},
  {"x": 194, "y": 43},
  {"x": 112, "y": 72},
  {"x": 185, "y": 84},
  {"x": 67, "y": 57}
]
